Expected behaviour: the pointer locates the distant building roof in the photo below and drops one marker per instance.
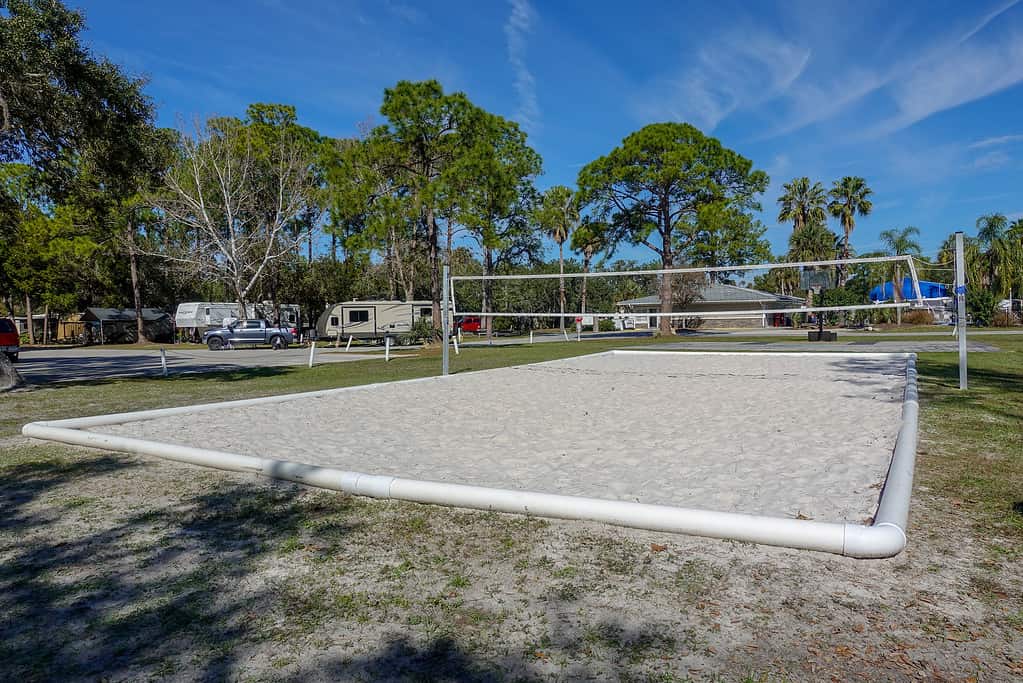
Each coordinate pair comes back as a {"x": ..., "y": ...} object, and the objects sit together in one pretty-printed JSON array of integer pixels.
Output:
[
  {"x": 719, "y": 293},
  {"x": 122, "y": 314}
]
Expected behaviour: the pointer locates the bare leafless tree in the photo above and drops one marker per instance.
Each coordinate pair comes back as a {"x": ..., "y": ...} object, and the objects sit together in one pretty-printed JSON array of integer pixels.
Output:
[{"x": 232, "y": 202}]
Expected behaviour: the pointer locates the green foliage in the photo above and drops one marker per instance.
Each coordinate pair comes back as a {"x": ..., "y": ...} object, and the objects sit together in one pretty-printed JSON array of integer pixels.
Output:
[
  {"x": 654, "y": 186},
  {"x": 849, "y": 198},
  {"x": 60, "y": 100},
  {"x": 980, "y": 306},
  {"x": 803, "y": 203}
]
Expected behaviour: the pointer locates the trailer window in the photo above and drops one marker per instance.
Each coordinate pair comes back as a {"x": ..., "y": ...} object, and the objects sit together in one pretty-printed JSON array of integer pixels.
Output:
[
  {"x": 207, "y": 310},
  {"x": 358, "y": 316},
  {"x": 333, "y": 321},
  {"x": 428, "y": 312}
]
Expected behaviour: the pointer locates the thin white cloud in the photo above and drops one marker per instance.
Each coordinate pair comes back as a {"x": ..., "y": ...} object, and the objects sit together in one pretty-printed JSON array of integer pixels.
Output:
[
  {"x": 991, "y": 160},
  {"x": 988, "y": 18},
  {"x": 739, "y": 70},
  {"x": 996, "y": 141},
  {"x": 970, "y": 72},
  {"x": 516, "y": 29},
  {"x": 925, "y": 79}
]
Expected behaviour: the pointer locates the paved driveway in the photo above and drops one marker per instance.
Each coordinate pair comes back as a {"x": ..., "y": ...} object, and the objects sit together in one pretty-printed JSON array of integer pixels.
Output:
[{"x": 94, "y": 363}]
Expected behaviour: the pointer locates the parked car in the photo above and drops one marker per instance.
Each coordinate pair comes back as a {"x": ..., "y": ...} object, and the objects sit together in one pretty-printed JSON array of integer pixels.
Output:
[
  {"x": 251, "y": 332},
  {"x": 469, "y": 323},
  {"x": 10, "y": 340}
]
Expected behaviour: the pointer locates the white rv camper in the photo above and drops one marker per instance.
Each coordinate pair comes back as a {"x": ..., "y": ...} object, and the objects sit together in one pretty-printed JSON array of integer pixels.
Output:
[
  {"x": 198, "y": 316},
  {"x": 371, "y": 319}
]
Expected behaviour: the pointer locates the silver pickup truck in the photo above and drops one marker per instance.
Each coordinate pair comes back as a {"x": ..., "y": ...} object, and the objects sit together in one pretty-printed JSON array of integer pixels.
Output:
[{"x": 248, "y": 332}]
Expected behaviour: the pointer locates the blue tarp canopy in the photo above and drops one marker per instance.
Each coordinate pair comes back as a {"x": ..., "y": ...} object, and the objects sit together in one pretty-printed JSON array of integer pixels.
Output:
[{"x": 929, "y": 290}]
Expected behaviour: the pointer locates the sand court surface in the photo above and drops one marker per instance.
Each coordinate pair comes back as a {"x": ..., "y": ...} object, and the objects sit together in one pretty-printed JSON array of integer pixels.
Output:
[{"x": 786, "y": 435}]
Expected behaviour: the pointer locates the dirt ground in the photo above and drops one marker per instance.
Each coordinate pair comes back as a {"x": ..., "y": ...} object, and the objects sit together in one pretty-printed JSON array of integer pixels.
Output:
[{"x": 118, "y": 568}]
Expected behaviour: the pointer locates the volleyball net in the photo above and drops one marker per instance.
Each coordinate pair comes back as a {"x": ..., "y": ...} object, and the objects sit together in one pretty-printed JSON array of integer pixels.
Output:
[{"x": 749, "y": 295}]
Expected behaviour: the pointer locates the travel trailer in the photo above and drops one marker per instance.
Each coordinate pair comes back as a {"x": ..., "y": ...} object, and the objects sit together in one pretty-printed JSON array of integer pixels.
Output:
[
  {"x": 198, "y": 316},
  {"x": 371, "y": 319}
]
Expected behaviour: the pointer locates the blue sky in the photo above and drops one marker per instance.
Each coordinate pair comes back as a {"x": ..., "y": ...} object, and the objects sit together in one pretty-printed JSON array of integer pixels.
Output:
[{"x": 923, "y": 99}]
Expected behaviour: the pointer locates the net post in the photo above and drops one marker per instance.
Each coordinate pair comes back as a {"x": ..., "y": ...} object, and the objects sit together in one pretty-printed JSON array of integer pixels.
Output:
[
  {"x": 960, "y": 294},
  {"x": 387, "y": 348},
  {"x": 312, "y": 352},
  {"x": 916, "y": 280},
  {"x": 445, "y": 324},
  {"x": 349, "y": 344}
]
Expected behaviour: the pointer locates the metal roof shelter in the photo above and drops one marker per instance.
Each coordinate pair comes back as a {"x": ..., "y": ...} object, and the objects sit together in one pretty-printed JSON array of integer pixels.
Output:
[
  {"x": 117, "y": 325},
  {"x": 719, "y": 297}
]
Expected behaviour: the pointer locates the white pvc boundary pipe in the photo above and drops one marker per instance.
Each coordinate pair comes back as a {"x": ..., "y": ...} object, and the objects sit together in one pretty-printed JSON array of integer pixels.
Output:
[{"x": 886, "y": 537}]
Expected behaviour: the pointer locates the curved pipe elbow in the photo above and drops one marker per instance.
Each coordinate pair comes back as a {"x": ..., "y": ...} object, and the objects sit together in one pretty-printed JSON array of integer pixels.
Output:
[{"x": 881, "y": 540}]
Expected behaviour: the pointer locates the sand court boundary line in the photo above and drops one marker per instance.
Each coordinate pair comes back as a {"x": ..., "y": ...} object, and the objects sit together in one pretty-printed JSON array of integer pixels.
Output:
[{"x": 885, "y": 537}]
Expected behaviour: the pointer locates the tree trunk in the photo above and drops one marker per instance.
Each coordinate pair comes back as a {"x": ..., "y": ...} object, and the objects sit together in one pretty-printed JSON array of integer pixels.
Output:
[
  {"x": 451, "y": 238},
  {"x": 433, "y": 244},
  {"x": 667, "y": 261},
  {"x": 9, "y": 377},
  {"x": 561, "y": 282},
  {"x": 136, "y": 287},
  {"x": 488, "y": 269},
  {"x": 240, "y": 296},
  {"x": 29, "y": 323}
]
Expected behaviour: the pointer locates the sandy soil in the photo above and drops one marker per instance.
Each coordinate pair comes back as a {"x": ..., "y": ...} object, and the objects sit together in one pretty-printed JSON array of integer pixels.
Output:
[{"x": 778, "y": 435}]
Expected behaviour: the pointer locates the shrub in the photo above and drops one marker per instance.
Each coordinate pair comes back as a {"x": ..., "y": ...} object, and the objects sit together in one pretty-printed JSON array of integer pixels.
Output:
[
  {"x": 606, "y": 325},
  {"x": 980, "y": 305},
  {"x": 1004, "y": 319},
  {"x": 422, "y": 330},
  {"x": 918, "y": 317}
]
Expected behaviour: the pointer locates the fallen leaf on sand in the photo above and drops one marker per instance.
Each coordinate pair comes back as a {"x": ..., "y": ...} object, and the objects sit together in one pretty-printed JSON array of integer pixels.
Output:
[{"x": 655, "y": 548}]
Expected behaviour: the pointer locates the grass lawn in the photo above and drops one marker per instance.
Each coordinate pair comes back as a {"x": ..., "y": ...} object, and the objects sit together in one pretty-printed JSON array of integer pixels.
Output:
[{"x": 119, "y": 567}]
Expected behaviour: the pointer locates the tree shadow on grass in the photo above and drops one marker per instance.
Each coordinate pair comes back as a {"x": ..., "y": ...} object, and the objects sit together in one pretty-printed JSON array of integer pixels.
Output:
[{"x": 138, "y": 594}]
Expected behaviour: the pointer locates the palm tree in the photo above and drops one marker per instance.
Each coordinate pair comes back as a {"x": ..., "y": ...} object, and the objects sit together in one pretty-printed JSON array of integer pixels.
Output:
[
  {"x": 900, "y": 243},
  {"x": 802, "y": 203},
  {"x": 814, "y": 242},
  {"x": 991, "y": 227},
  {"x": 557, "y": 216},
  {"x": 589, "y": 239},
  {"x": 849, "y": 198}
]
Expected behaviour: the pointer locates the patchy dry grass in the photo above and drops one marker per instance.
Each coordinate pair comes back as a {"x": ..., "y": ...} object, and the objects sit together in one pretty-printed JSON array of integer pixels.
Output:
[{"x": 123, "y": 568}]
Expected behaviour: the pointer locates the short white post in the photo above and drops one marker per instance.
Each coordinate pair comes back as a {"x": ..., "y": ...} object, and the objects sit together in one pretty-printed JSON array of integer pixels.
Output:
[
  {"x": 531, "y": 336},
  {"x": 163, "y": 361},
  {"x": 349, "y": 344},
  {"x": 565, "y": 331},
  {"x": 579, "y": 330},
  {"x": 455, "y": 340},
  {"x": 312, "y": 352},
  {"x": 387, "y": 348}
]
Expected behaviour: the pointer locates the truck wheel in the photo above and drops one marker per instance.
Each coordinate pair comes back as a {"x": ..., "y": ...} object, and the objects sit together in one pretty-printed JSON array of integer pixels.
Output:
[
  {"x": 215, "y": 343},
  {"x": 276, "y": 343}
]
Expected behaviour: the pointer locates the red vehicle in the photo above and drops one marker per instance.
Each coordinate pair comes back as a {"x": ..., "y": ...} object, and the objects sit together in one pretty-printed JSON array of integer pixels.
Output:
[
  {"x": 10, "y": 340},
  {"x": 469, "y": 323}
]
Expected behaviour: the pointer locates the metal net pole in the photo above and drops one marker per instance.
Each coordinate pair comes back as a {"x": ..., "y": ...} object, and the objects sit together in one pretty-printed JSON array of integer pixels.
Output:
[
  {"x": 960, "y": 294},
  {"x": 445, "y": 324}
]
